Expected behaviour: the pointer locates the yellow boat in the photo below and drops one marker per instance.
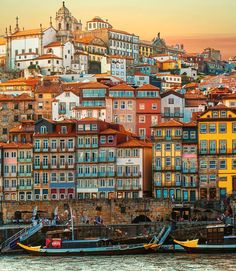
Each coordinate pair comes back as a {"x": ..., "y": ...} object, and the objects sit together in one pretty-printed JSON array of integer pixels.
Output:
[
  {"x": 188, "y": 243},
  {"x": 29, "y": 249}
]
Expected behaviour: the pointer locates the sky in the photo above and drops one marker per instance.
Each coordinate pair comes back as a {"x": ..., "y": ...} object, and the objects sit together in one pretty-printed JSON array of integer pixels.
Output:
[{"x": 195, "y": 23}]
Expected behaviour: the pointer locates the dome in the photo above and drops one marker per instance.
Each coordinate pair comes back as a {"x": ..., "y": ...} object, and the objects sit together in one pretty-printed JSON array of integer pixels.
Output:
[{"x": 63, "y": 9}]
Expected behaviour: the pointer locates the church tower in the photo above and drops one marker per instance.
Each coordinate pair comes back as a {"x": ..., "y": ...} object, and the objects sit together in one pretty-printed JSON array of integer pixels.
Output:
[{"x": 66, "y": 24}]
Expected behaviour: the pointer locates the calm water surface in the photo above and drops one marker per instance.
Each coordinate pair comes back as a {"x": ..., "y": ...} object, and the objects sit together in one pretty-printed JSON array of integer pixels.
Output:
[{"x": 160, "y": 262}]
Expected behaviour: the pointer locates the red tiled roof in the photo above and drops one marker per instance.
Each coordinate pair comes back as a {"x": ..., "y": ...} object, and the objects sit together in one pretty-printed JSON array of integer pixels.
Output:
[
  {"x": 93, "y": 85},
  {"x": 54, "y": 44},
  {"x": 170, "y": 123},
  {"x": 47, "y": 56},
  {"x": 135, "y": 143},
  {"x": 140, "y": 74},
  {"x": 122, "y": 87},
  {"x": 21, "y": 97},
  {"x": 14, "y": 145},
  {"x": 148, "y": 87}
]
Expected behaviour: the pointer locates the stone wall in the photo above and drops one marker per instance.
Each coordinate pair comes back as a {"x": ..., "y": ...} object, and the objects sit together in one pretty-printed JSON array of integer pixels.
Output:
[{"x": 116, "y": 211}]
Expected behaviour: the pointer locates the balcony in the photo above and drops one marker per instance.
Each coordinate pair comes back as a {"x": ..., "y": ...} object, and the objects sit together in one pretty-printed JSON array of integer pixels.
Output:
[
  {"x": 167, "y": 137},
  {"x": 111, "y": 159},
  {"x": 177, "y": 167},
  {"x": 23, "y": 160},
  {"x": 177, "y": 183},
  {"x": 129, "y": 187},
  {"x": 102, "y": 174},
  {"x": 94, "y": 145},
  {"x": 158, "y": 183},
  {"x": 25, "y": 187},
  {"x": 25, "y": 174},
  {"x": 173, "y": 115},
  {"x": 111, "y": 174},
  {"x": 36, "y": 166},
  {"x": 129, "y": 174}
]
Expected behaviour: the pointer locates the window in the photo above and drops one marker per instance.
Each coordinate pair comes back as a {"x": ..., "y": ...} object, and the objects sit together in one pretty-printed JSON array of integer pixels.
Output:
[
  {"x": 115, "y": 104},
  {"x": 203, "y": 164},
  {"x": 122, "y": 105},
  {"x": 222, "y": 128},
  {"x": 234, "y": 127},
  {"x": 223, "y": 164},
  {"x": 177, "y": 146},
  {"x": 203, "y": 128},
  {"x": 53, "y": 177},
  {"x": 177, "y": 132},
  {"x": 110, "y": 139},
  {"x": 203, "y": 178},
  {"x": 130, "y": 105},
  {"x": 223, "y": 114},
  {"x": 103, "y": 139},
  {"x": 4, "y": 131},
  {"x": 223, "y": 146},
  {"x": 43, "y": 130},
  {"x": 215, "y": 114},
  {"x": 142, "y": 119},
  {"x": 154, "y": 106},
  {"x": 141, "y": 106},
  {"x": 192, "y": 134},
  {"x": 212, "y": 164},
  {"x": 203, "y": 146},
  {"x": 158, "y": 147},
  {"x": 212, "y": 146},
  {"x": 234, "y": 164},
  {"x": 168, "y": 147},
  {"x": 168, "y": 161},
  {"x": 212, "y": 128},
  {"x": 63, "y": 130},
  {"x": 159, "y": 132},
  {"x": 185, "y": 134},
  {"x": 171, "y": 100}
]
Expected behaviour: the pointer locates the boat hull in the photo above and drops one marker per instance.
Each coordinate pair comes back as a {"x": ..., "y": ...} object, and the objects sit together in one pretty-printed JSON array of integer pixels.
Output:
[{"x": 100, "y": 251}]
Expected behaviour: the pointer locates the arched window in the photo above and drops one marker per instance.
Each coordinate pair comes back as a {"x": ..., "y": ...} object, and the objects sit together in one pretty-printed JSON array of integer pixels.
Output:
[
  {"x": 67, "y": 26},
  {"x": 49, "y": 51},
  {"x": 59, "y": 26},
  {"x": 43, "y": 130}
]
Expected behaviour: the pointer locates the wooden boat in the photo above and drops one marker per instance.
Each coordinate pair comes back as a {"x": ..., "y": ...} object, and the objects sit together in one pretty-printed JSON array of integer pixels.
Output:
[
  {"x": 58, "y": 247},
  {"x": 216, "y": 242}
]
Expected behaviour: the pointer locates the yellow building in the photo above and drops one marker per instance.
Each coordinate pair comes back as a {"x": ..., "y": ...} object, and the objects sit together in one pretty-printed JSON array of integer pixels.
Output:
[
  {"x": 146, "y": 48},
  {"x": 170, "y": 64},
  {"x": 167, "y": 161},
  {"x": 217, "y": 152}
]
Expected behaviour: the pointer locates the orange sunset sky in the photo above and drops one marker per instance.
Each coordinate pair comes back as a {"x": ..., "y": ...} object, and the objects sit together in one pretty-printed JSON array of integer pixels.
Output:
[{"x": 195, "y": 23}]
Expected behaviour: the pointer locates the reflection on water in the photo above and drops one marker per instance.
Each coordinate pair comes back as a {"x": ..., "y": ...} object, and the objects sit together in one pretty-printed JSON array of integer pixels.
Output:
[{"x": 157, "y": 262}]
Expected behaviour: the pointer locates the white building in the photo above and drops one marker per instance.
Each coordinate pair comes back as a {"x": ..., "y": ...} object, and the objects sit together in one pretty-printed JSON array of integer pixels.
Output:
[
  {"x": 169, "y": 81},
  {"x": 97, "y": 23},
  {"x": 27, "y": 42},
  {"x": 124, "y": 44},
  {"x": 114, "y": 65},
  {"x": 172, "y": 105},
  {"x": 64, "y": 50},
  {"x": 48, "y": 64},
  {"x": 190, "y": 72},
  {"x": 64, "y": 104},
  {"x": 81, "y": 112}
]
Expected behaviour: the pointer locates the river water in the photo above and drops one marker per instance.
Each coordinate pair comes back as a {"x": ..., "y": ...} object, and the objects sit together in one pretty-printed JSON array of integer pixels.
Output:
[{"x": 157, "y": 262}]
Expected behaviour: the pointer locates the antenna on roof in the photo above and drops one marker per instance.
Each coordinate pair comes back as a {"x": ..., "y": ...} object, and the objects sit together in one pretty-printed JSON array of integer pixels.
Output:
[
  {"x": 17, "y": 24},
  {"x": 50, "y": 21},
  {"x": 63, "y": 3}
]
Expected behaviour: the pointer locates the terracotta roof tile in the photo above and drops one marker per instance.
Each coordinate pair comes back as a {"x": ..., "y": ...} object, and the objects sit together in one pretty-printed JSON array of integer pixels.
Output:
[
  {"x": 122, "y": 87},
  {"x": 170, "y": 123},
  {"x": 93, "y": 85},
  {"x": 3, "y": 41},
  {"x": 135, "y": 143},
  {"x": 47, "y": 56},
  {"x": 54, "y": 44},
  {"x": 148, "y": 87},
  {"x": 29, "y": 32}
]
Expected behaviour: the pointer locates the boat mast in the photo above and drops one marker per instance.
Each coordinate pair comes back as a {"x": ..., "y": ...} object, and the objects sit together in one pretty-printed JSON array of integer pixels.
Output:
[{"x": 72, "y": 225}]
